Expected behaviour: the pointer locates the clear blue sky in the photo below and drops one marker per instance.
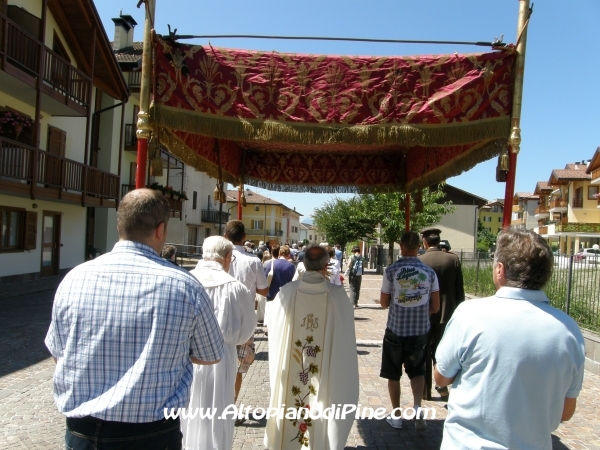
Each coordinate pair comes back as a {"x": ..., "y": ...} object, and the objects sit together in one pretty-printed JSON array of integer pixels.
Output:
[{"x": 561, "y": 101}]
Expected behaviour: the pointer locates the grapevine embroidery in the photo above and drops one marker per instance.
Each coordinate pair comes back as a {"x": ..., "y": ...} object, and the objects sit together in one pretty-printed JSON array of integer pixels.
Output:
[{"x": 302, "y": 421}]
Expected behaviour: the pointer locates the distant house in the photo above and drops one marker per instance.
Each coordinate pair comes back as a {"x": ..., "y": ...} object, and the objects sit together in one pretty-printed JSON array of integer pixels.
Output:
[
  {"x": 523, "y": 210},
  {"x": 264, "y": 217},
  {"x": 460, "y": 227},
  {"x": 491, "y": 215}
]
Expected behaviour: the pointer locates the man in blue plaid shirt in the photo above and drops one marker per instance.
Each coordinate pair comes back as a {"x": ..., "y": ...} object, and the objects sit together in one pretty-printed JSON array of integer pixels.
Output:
[
  {"x": 410, "y": 289},
  {"x": 126, "y": 329}
]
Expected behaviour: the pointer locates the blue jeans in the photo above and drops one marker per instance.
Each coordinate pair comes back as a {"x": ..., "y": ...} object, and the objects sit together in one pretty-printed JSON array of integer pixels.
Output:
[{"x": 89, "y": 433}]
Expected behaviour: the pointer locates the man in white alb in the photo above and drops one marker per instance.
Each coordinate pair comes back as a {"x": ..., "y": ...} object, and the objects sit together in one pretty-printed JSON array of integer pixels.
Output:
[
  {"x": 312, "y": 359},
  {"x": 213, "y": 386}
]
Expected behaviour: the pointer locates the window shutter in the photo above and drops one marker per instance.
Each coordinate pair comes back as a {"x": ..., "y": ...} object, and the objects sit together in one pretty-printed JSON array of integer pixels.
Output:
[
  {"x": 30, "y": 230},
  {"x": 57, "y": 141}
]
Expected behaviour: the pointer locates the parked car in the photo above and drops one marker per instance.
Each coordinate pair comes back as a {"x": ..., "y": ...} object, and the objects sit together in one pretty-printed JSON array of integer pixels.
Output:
[{"x": 589, "y": 254}]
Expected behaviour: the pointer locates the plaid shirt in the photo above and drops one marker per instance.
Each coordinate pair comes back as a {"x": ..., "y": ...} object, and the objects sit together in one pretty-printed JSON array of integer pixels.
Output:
[
  {"x": 123, "y": 328},
  {"x": 410, "y": 284}
]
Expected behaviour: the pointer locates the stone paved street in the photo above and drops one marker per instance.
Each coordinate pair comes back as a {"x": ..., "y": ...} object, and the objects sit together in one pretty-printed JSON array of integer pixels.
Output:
[{"x": 28, "y": 418}]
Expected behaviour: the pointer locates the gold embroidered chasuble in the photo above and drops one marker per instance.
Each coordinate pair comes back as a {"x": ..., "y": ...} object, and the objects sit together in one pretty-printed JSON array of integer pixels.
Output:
[{"x": 313, "y": 364}]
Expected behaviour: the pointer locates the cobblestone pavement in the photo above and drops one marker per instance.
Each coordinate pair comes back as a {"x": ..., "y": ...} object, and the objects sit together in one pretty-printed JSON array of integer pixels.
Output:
[{"x": 28, "y": 417}]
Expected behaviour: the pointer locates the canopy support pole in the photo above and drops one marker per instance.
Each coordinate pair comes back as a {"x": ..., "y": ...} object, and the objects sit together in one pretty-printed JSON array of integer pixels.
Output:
[
  {"x": 515, "y": 135},
  {"x": 239, "y": 205},
  {"x": 144, "y": 130},
  {"x": 407, "y": 212}
]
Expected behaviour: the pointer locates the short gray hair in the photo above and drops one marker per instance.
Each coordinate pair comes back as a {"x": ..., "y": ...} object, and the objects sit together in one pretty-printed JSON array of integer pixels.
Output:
[
  {"x": 316, "y": 258},
  {"x": 140, "y": 212},
  {"x": 215, "y": 248},
  {"x": 527, "y": 258}
]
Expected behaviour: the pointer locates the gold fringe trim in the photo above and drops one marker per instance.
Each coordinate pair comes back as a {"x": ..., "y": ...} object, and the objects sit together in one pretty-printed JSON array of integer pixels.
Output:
[
  {"x": 238, "y": 129},
  {"x": 462, "y": 163}
]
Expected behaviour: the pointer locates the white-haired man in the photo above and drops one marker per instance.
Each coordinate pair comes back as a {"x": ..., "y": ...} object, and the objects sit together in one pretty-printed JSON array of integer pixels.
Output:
[
  {"x": 313, "y": 343},
  {"x": 213, "y": 386}
]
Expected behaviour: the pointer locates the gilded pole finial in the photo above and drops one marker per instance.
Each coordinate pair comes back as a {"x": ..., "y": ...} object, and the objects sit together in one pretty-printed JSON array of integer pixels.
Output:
[
  {"x": 144, "y": 130},
  {"x": 515, "y": 140}
]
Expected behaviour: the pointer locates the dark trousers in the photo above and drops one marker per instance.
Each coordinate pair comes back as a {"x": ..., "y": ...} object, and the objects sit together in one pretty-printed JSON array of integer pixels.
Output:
[
  {"x": 354, "y": 283},
  {"x": 89, "y": 433},
  {"x": 436, "y": 332}
]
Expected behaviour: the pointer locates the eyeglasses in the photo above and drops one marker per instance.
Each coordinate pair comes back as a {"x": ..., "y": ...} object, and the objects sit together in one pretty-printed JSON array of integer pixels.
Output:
[{"x": 232, "y": 257}]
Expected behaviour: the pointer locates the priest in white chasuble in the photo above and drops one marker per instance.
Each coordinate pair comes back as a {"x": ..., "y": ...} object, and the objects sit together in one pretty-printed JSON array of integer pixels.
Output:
[
  {"x": 213, "y": 386},
  {"x": 313, "y": 363}
]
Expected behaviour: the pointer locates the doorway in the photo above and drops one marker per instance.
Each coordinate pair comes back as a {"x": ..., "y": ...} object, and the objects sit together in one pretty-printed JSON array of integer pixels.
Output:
[{"x": 50, "y": 243}]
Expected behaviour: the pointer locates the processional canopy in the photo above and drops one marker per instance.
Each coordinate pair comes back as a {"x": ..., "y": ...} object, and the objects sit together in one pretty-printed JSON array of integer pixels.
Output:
[{"x": 320, "y": 123}]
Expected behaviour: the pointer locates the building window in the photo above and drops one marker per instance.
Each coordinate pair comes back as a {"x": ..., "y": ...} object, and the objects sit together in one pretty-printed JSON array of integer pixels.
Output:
[
  {"x": 257, "y": 208},
  {"x": 592, "y": 190},
  {"x": 18, "y": 229},
  {"x": 310, "y": 237},
  {"x": 194, "y": 200},
  {"x": 499, "y": 219},
  {"x": 257, "y": 224}
]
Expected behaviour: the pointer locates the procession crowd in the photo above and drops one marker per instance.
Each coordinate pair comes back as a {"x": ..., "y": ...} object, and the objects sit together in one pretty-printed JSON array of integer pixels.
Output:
[{"x": 135, "y": 338}]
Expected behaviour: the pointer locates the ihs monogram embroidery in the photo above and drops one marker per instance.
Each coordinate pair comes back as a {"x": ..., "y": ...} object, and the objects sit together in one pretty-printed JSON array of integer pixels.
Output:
[{"x": 310, "y": 322}]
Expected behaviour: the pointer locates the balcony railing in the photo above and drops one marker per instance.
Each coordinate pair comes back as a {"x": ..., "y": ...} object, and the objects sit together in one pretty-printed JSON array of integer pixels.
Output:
[
  {"x": 578, "y": 227},
  {"x": 34, "y": 166},
  {"x": 577, "y": 203},
  {"x": 261, "y": 232},
  {"x": 543, "y": 230},
  {"x": 596, "y": 174},
  {"x": 558, "y": 203},
  {"x": 130, "y": 136},
  {"x": 175, "y": 206},
  {"x": 214, "y": 216},
  {"x": 542, "y": 209},
  {"x": 22, "y": 50}
]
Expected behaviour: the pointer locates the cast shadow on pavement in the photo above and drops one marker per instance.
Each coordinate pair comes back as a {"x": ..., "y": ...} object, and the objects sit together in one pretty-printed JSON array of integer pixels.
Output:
[{"x": 24, "y": 323}]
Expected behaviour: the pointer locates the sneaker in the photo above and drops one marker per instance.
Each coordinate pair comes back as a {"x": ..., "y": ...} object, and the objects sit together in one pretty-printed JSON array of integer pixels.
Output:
[
  {"x": 394, "y": 423},
  {"x": 420, "y": 424}
]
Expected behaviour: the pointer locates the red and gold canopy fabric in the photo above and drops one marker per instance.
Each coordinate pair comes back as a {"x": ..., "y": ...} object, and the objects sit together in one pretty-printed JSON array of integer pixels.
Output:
[{"x": 316, "y": 123}]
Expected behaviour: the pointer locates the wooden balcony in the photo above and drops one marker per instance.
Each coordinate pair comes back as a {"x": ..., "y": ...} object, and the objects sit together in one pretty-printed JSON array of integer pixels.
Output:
[
  {"x": 23, "y": 59},
  {"x": 577, "y": 227},
  {"x": 541, "y": 210},
  {"x": 214, "y": 216},
  {"x": 596, "y": 176},
  {"x": 175, "y": 206},
  {"x": 35, "y": 173},
  {"x": 520, "y": 221},
  {"x": 558, "y": 203},
  {"x": 543, "y": 230}
]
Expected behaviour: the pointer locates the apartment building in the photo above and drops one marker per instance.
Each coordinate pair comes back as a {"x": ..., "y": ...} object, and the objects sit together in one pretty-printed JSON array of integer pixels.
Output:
[
  {"x": 574, "y": 217},
  {"x": 195, "y": 213},
  {"x": 62, "y": 102},
  {"x": 262, "y": 216}
]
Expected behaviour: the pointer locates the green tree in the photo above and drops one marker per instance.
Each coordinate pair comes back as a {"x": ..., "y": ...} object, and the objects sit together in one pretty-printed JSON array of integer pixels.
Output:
[
  {"x": 388, "y": 211},
  {"x": 485, "y": 238},
  {"x": 343, "y": 221}
]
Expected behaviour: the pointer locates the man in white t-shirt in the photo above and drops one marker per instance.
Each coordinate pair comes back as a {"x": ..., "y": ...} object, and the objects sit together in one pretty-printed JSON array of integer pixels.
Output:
[{"x": 247, "y": 269}]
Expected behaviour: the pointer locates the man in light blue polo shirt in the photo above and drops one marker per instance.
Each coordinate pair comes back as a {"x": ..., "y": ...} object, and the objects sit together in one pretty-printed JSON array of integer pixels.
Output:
[{"x": 516, "y": 363}]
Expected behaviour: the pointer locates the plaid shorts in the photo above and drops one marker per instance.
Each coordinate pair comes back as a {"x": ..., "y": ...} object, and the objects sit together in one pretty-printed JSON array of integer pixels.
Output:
[{"x": 246, "y": 354}]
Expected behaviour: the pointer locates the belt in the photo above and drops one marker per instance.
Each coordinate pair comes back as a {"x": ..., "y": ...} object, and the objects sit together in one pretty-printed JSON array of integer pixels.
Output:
[{"x": 87, "y": 426}]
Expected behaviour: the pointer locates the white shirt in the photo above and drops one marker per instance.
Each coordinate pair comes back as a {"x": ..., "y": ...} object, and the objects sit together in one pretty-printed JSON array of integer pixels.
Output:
[{"x": 248, "y": 270}]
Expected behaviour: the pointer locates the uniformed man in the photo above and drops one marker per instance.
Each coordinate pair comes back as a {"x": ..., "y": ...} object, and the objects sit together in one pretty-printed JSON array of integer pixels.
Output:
[{"x": 448, "y": 270}]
